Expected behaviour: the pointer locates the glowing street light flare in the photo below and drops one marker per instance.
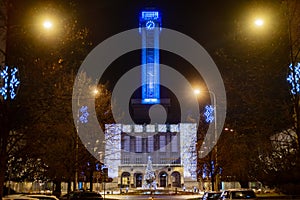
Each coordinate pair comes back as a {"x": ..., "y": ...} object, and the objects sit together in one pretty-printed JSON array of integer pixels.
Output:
[
  {"x": 95, "y": 91},
  {"x": 47, "y": 24},
  {"x": 196, "y": 91},
  {"x": 259, "y": 22}
]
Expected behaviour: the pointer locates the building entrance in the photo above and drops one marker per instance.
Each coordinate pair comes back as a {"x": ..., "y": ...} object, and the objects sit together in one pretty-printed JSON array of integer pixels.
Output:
[{"x": 138, "y": 180}]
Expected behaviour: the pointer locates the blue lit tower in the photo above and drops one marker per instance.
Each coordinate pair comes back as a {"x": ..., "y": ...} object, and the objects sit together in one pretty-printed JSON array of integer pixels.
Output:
[{"x": 150, "y": 27}]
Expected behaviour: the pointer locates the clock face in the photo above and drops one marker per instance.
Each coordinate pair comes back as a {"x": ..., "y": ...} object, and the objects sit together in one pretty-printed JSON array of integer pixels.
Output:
[{"x": 150, "y": 25}]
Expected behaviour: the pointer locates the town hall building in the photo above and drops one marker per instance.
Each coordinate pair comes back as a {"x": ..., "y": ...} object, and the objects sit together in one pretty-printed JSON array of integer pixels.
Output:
[{"x": 171, "y": 146}]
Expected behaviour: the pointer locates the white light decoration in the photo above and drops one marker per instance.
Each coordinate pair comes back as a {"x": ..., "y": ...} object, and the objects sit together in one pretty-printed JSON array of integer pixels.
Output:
[
  {"x": 84, "y": 114},
  {"x": 150, "y": 128},
  {"x": 112, "y": 148},
  {"x": 209, "y": 114},
  {"x": 10, "y": 82},
  {"x": 294, "y": 78},
  {"x": 188, "y": 140},
  {"x": 138, "y": 128},
  {"x": 174, "y": 128},
  {"x": 162, "y": 128},
  {"x": 126, "y": 128}
]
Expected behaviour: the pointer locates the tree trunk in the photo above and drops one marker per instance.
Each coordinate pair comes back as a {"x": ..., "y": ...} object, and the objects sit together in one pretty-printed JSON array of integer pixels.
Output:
[
  {"x": 3, "y": 163},
  {"x": 297, "y": 123},
  {"x": 2, "y": 176},
  {"x": 69, "y": 186},
  {"x": 244, "y": 184},
  {"x": 57, "y": 189},
  {"x": 4, "y": 134},
  {"x": 91, "y": 180}
]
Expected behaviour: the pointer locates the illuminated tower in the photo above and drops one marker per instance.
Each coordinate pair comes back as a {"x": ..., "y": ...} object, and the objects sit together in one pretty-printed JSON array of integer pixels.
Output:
[{"x": 150, "y": 27}]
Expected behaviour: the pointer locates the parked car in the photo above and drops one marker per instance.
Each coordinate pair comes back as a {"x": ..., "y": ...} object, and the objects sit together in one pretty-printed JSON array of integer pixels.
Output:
[
  {"x": 18, "y": 197},
  {"x": 238, "y": 194},
  {"x": 43, "y": 197},
  {"x": 211, "y": 195},
  {"x": 83, "y": 195}
]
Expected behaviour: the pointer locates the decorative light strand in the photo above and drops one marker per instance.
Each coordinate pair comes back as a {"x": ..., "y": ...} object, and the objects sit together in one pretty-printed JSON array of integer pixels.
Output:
[
  {"x": 10, "y": 81},
  {"x": 294, "y": 78},
  {"x": 209, "y": 114},
  {"x": 84, "y": 114}
]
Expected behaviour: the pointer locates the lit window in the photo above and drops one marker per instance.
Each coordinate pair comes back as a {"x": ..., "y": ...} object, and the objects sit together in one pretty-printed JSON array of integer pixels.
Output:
[
  {"x": 174, "y": 143},
  {"x": 126, "y": 143},
  {"x": 162, "y": 143},
  {"x": 138, "y": 144},
  {"x": 150, "y": 144}
]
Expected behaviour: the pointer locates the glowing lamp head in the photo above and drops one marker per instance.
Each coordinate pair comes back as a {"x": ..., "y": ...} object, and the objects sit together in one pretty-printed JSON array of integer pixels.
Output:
[
  {"x": 259, "y": 22},
  {"x": 47, "y": 24},
  {"x": 196, "y": 91}
]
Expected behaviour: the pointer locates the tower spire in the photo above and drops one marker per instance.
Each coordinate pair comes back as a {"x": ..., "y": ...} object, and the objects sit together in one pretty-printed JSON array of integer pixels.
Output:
[{"x": 150, "y": 27}]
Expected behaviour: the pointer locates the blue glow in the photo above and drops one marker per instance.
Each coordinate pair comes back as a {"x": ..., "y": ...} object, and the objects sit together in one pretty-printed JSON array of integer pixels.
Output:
[
  {"x": 209, "y": 114},
  {"x": 80, "y": 185},
  {"x": 84, "y": 114},
  {"x": 150, "y": 25},
  {"x": 150, "y": 101},
  {"x": 294, "y": 78},
  {"x": 150, "y": 22},
  {"x": 10, "y": 83},
  {"x": 146, "y": 15}
]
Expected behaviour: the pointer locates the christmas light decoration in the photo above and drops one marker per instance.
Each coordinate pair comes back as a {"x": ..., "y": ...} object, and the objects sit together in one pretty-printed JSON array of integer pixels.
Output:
[
  {"x": 10, "y": 82},
  {"x": 84, "y": 114},
  {"x": 209, "y": 114},
  {"x": 294, "y": 78}
]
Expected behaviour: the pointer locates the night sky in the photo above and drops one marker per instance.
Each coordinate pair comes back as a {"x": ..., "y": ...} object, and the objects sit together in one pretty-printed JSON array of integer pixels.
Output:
[{"x": 206, "y": 21}]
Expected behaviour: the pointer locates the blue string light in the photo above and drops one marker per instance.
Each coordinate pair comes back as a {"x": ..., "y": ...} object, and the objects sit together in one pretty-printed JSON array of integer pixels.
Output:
[
  {"x": 10, "y": 83},
  {"x": 294, "y": 78},
  {"x": 84, "y": 114},
  {"x": 209, "y": 114}
]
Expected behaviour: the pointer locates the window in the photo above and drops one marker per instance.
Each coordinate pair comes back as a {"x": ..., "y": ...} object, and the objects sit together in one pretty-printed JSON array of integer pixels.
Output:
[
  {"x": 126, "y": 143},
  {"x": 174, "y": 143},
  {"x": 162, "y": 143},
  {"x": 138, "y": 144},
  {"x": 150, "y": 144}
]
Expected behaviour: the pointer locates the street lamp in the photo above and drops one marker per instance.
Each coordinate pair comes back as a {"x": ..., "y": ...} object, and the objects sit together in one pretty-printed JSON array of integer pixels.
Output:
[
  {"x": 209, "y": 119},
  {"x": 259, "y": 22},
  {"x": 82, "y": 117},
  {"x": 47, "y": 24},
  {"x": 197, "y": 92}
]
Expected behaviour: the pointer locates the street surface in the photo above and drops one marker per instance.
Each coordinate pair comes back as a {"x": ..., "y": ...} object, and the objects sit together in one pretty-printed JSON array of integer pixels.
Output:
[{"x": 152, "y": 197}]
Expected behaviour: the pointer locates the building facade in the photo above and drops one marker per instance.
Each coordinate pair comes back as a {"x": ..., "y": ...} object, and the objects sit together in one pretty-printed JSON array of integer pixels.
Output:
[{"x": 171, "y": 147}]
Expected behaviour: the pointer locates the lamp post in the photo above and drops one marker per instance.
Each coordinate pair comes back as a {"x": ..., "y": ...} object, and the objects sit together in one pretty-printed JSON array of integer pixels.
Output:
[
  {"x": 82, "y": 117},
  {"x": 209, "y": 120},
  {"x": 9, "y": 84}
]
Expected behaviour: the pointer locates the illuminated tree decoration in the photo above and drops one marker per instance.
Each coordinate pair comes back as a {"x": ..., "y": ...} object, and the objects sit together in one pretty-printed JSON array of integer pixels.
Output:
[
  {"x": 10, "y": 82},
  {"x": 209, "y": 114},
  {"x": 149, "y": 177},
  {"x": 84, "y": 114},
  {"x": 294, "y": 78}
]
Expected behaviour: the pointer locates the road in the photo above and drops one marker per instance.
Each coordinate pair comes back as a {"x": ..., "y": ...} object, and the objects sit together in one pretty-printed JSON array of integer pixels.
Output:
[{"x": 152, "y": 197}]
